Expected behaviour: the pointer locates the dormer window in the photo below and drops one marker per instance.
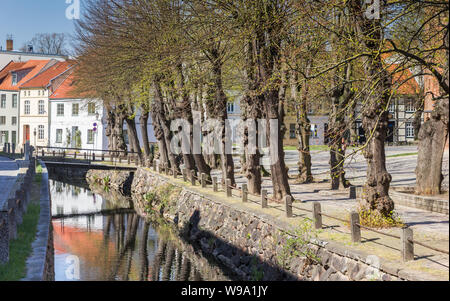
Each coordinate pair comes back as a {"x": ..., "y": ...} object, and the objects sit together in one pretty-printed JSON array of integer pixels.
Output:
[{"x": 14, "y": 79}]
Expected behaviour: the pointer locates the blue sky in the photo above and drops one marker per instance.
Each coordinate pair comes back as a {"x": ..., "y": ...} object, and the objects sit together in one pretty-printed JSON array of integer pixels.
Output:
[{"x": 25, "y": 18}]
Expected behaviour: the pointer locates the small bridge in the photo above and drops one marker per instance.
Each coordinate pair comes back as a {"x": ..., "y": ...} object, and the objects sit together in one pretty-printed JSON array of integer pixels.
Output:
[
  {"x": 88, "y": 158},
  {"x": 74, "y": 163}
]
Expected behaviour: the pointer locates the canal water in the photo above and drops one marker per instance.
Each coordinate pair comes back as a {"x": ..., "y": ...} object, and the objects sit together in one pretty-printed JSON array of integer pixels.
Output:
[{"x": 100, "y": 240}]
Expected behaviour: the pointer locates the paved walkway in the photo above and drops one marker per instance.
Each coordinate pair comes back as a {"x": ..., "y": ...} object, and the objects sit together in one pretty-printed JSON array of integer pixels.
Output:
[
  {"x": 8, "y": 173},
  {"x": 429, "y": 227}
]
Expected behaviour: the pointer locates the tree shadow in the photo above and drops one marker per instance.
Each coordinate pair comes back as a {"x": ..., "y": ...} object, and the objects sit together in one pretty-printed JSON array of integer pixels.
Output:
[{"x": 245, "y": 265}]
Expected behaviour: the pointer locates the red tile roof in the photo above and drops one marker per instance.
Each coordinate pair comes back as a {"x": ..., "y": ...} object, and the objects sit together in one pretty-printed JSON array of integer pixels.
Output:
[
  {"x": 65, "y": 90},
  {"x": 403, "y": 80},
  {"x": 35, "y": 67},
  {"x": 11, "y": 66},
  {"x": 44, "y": 78}
]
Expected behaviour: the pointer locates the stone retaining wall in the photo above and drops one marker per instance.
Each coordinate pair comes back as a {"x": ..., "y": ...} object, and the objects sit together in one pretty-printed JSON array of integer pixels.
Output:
[
  {"x": 253, "y": 245},
  {"x": 12, "y": 211}
]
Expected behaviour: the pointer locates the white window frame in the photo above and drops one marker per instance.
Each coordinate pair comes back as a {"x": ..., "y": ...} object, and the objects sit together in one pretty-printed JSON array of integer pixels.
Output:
[
  {"x": 3, "y": 101},
  {"x": 41, "y": 132},
  {"x": 59, "y": 136},
  {"x": 59, "y": 112},
  {"x": 409, "y": 130},
  {"x": 27, "y": 108}
]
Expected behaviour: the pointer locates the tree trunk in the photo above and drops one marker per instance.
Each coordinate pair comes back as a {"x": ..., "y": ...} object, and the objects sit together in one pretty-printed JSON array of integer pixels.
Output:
[
  {"x": 303, "y": 129},
  {"x": 340, "y": 99},
  {"x": 220, "y": 112},
  {"x": 432, "y": 139},
  {"x": 251, "y": 109},
  {"x": 119, "y": 139},
  {"x": 184, "y": 111},
  {"x": 144, "y": 133},
  {"x": 277, "y": 165},
  {"x": 374, "y": 114},
  {"x": 162, "y": 130},
  {"x": 133, "y": 136}
]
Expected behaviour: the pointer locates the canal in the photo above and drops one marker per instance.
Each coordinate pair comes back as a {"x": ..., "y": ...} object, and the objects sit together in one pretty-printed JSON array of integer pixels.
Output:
[{"x": 96, "y": 239}]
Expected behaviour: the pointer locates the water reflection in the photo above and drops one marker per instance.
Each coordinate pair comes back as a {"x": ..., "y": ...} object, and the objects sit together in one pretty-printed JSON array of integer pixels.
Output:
[{"x": 118, "y": 246}]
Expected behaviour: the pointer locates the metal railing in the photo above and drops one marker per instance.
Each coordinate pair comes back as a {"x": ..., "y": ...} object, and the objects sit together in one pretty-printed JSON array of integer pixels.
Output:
[{"x": 89, "y": 155}]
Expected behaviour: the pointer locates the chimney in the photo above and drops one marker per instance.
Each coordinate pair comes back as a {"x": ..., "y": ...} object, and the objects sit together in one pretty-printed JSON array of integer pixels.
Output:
[{"x": 9, "y": 43}]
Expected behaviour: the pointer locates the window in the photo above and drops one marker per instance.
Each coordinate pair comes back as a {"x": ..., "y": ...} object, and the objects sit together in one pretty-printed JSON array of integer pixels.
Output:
[
  {"x": 4, "y": 137},
  {"x": 409, "y": 106},
  {"x": 90, "y": 137},
  {"x": 41, "y": 107},
  {"x": 409, "y": 130},
  {"x": 26, "y": 109},
  {"x": 292, "y": 131},
  {"x": 41, "y": 132},
  {"x": 14, "y": 120},
  {"x": 91, "y": 109},
  {"x": 230, "y": 107},
  {"x": 75, "y": 109},
  {"x": 2, "y": 120},
  {"x": 14, "y": 79},
  {"x": 14, "y": 101},
  {"x": 3, "y": 102},
  {"x": 59, "y": 135},
  {"x": 392, "y": 107},
  {"x": 24, "y": 93},
  {"x": 60, "y": 109}
]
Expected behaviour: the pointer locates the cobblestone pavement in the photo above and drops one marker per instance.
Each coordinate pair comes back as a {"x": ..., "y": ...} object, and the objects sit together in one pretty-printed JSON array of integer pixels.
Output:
[
  {"x": 8, "y": 174},
  {"x": 401, "y": 168}
]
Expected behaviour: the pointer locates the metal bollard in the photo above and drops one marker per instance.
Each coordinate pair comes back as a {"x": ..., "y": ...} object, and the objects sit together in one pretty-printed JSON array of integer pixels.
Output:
[
  {"x": 184, "y": 172},
  {"x": 244, "y": 193},
  {"x": 192, "y": 177},
  {"x": 203, "y": 180},
  {"x": 228, "y": 188},
  {"x": 407, "y": 244},
  {"x": 317, "y": 215},
  {"x": 356, "y": 229},
  {"x": 288, "y": 203},
  {"x": 264, "y": 198},
  {"x": 215, "y": 187}
]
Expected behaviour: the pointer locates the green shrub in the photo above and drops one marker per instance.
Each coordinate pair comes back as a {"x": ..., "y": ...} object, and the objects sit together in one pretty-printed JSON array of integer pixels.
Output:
[{"x": 374, "y": 219}]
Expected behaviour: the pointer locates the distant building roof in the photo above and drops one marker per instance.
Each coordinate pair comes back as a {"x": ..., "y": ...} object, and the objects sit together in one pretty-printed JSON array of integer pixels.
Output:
[
  {"x": 32, "y": 53},
  {"x": 35, "y": 65},
  {"x": 65, "y": 90},
  {"x": 43, "y": 79}
]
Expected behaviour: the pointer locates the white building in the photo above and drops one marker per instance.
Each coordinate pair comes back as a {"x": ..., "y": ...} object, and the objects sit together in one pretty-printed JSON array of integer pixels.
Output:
[
  {"x": 76, "y": 122},
  {"x": 11, "y": 77},
  {"x": 34, "y": 103}
]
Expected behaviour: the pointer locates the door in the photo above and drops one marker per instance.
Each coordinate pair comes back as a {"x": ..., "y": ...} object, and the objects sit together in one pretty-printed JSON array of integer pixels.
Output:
[
  {"x": 26, "y": 133},
  {"x": 74, "y": 137}
]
